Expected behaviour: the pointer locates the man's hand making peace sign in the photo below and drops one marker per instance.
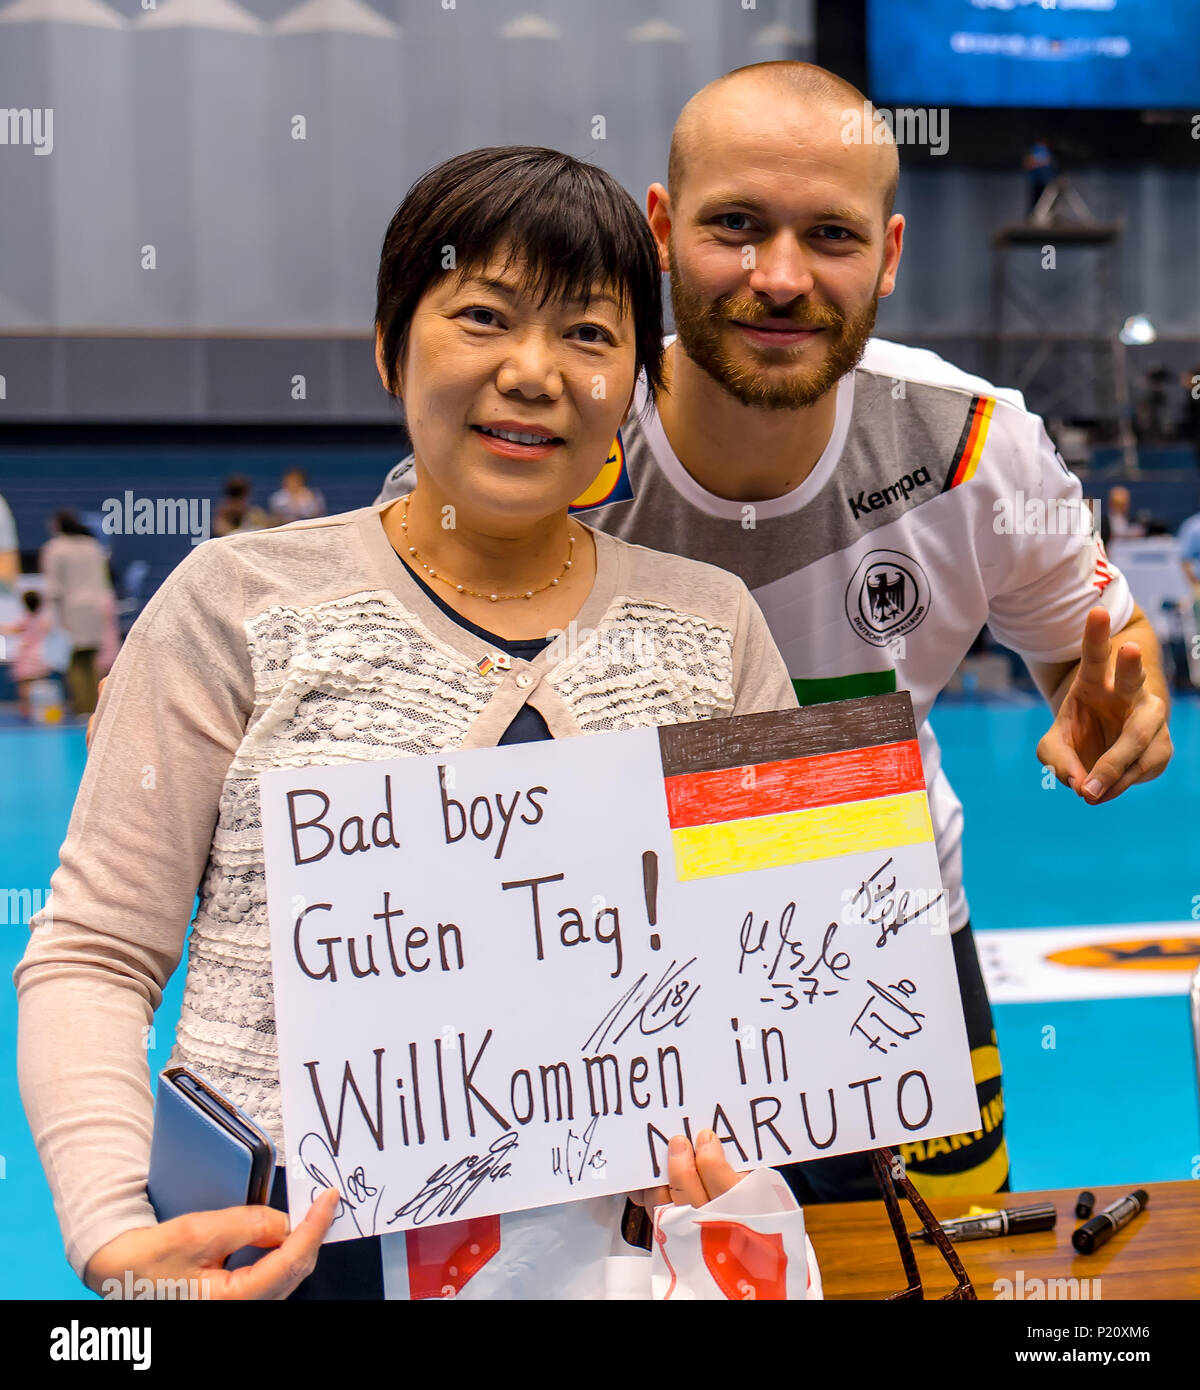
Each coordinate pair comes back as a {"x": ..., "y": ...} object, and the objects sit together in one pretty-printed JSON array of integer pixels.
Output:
[{"x": 1110, "y": 725}]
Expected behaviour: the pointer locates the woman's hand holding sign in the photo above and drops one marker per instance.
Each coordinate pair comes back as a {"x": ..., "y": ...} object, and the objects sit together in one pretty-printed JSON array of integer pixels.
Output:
[
  {"x": 196, "y": 1246},
  {"x": 694, "y": 1177}
]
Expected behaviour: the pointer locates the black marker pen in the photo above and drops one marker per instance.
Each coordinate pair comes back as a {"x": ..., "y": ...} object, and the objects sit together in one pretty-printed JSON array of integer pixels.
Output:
[
  {"x": 1105, "y": 1224},
  {"x": 1013, "y": 1221}
]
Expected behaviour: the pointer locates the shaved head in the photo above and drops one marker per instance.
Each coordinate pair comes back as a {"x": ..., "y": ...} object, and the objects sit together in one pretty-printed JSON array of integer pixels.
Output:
[
  {"x": 778, "y": 231},
  {"x": 823, "y": 96}
]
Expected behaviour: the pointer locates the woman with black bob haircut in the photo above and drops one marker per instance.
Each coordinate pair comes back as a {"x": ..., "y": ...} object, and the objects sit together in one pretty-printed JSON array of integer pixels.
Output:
[
  {"x": 518, "y": 299},
  {"x": 568, "y": 224}
]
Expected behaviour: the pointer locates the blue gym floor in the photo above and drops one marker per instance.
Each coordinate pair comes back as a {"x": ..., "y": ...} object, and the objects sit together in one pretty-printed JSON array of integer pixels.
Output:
[{"x": 1114, "y": 1102}]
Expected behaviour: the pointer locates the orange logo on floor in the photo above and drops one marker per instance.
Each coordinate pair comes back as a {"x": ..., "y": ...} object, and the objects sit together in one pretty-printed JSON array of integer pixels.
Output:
[{"x": 1161, "y": 953}]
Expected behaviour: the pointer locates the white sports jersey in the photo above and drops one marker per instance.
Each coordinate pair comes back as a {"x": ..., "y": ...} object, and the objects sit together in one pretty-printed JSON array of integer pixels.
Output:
[{"x": 939, "y": 504}]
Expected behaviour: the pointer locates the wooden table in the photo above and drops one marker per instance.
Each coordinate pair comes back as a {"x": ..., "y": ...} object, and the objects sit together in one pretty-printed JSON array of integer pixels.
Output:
[{"x": 1157, "y": 1256}]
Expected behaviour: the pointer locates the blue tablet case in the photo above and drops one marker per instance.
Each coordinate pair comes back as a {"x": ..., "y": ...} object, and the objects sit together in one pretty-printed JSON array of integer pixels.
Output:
[{"x": 196, "y": 1165}]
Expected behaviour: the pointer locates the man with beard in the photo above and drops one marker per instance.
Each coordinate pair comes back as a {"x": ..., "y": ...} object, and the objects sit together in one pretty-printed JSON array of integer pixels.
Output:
[{"x": 870, "y": 495}]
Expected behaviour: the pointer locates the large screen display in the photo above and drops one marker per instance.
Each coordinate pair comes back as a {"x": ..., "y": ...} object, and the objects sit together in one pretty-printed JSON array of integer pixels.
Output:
[{"x": 1039, "y": 53}]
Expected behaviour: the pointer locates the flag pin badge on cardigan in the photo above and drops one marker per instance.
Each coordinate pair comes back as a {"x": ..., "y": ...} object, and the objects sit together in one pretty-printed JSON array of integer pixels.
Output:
[{"x": 493, "y": 661}]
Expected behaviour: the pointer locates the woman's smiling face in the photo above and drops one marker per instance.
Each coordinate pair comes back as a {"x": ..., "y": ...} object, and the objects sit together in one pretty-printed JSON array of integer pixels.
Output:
[{"x": 512, "y": 403}]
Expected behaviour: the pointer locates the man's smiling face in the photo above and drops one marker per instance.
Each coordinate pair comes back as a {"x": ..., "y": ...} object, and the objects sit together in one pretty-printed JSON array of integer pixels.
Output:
[{"x": 778, "y": 246}]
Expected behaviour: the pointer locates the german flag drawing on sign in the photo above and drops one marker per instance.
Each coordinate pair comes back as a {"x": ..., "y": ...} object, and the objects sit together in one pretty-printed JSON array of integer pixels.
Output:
[
  {"x": 971, "y": 442},
  {"x": 771, "y": 790}
]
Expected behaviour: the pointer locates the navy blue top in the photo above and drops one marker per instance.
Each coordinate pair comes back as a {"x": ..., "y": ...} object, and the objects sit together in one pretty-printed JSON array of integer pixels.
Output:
[{"x": 528, "y": 725}]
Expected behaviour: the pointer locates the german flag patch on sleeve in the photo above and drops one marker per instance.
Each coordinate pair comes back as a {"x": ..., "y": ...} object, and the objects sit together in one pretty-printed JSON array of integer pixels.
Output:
[{"x": 970, "y": 442}]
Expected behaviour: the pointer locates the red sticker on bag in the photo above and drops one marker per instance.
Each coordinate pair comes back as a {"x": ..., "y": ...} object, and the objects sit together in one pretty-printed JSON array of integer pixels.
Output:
[
  {"x": 744, "y": 1264},
  {"x": 441, "y": 1259}
]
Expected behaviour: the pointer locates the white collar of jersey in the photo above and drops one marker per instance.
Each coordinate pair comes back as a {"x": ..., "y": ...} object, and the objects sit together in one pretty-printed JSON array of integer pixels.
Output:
[{"x": 723, "y": 507}]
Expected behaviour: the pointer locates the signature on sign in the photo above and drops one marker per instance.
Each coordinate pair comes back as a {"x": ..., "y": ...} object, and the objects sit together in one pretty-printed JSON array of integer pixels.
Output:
[
  {"x": 449, "y": 1188},
  {"x": 877, "y": 902},
  {"x": 665, "y": 1005},
  {"x": 320, "y": 1165},
  {"x": 887, "y": 1003},
  {"x": 575, "y": 1157},
  {"x": 789, "y": 960}
]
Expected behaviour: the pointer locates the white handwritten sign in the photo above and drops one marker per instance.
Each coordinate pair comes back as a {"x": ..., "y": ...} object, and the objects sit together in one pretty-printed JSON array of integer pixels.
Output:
[{"x": 505, "y": 977}]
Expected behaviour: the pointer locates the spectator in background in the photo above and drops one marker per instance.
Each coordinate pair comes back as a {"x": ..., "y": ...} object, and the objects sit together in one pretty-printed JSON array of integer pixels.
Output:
[
  {"x": 1117, "y": 525},
  {"x": 1041, "y": 166},
  {"x": 10, "y": 569},
  {"x": 10, "y": 556},
  {"x": 31, "y": 662},
  {"x": 110, "y": 636},
  {"x": 295, "y": 500},
  {"x": 80, "y": 594},
  {"x": 1188, "y": 541},
  {"x": 237, "y": 511}
]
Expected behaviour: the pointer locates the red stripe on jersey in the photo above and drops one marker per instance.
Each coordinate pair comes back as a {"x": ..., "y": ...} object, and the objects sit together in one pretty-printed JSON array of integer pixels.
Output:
[
  {"x": 971, "y": 441},
  {"x": 1102, "y": 575}
]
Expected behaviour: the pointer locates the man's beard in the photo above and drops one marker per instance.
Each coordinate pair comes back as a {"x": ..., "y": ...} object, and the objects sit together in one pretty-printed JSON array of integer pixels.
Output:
[{"x": 701, "y": 325}]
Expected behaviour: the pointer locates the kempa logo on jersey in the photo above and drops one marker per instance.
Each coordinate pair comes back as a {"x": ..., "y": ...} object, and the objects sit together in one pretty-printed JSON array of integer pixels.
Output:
[
  {"x": 877, "y": 501},
  {"x": 887, "y": 597}
]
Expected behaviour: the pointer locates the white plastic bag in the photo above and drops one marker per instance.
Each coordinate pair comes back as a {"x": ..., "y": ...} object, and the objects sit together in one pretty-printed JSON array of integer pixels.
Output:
[{"x": 749, "y": 1243}]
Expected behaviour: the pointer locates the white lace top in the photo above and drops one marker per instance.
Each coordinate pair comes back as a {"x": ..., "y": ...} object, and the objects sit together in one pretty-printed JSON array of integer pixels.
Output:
[{"x": 304, "y": 645}]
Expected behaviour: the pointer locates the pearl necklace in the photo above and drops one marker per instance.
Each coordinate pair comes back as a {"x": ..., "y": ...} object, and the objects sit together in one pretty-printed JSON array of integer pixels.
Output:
[{"x": 477, "y": 593}]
